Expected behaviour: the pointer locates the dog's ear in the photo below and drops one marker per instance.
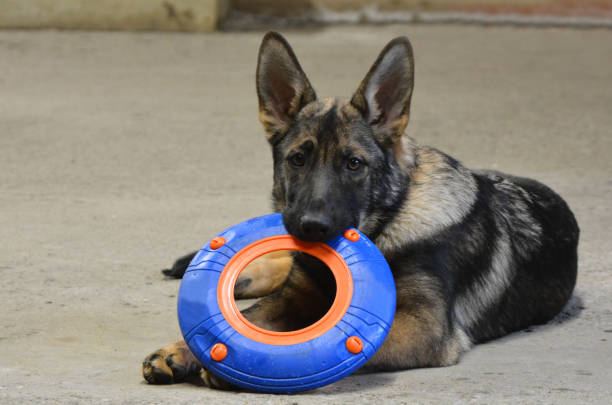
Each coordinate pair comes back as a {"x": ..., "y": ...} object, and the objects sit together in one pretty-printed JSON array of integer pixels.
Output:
[
  {"x": 282, "y": 86},
  {"x": 383, "y": 98}
]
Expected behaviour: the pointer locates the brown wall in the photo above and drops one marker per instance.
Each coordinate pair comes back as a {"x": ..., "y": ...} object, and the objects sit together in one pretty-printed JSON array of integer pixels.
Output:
[
  {"x": 205, "y": 15},
  {"x": 557, "y": 7},
  {"x": 183, "y": 15}
]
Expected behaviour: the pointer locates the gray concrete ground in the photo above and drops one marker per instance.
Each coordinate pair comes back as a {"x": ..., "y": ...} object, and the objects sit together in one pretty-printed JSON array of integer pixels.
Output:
[{"x": 120, "y": 152}]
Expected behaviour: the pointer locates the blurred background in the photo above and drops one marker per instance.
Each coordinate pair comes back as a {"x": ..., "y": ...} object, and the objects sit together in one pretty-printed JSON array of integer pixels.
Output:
[
  {"x": 209, "y": 15},
  {"x": 129, "y": 137}
]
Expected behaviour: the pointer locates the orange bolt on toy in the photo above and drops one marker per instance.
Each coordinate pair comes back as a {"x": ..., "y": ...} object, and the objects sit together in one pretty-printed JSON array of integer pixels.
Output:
[
  {"x": 217, "y": 242},
  {"x": 354, "y": 345},
  {"x": 218, "y": 352},
  {"x": 351, "y": 235}
]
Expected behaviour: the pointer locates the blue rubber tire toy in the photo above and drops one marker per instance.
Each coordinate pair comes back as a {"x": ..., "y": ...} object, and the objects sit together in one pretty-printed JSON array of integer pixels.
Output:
[{"x": 285, "y": 362}]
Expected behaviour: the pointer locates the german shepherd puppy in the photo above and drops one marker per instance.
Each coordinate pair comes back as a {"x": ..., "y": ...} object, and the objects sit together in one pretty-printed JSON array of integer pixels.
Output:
[{"x": 475, "y": 254}]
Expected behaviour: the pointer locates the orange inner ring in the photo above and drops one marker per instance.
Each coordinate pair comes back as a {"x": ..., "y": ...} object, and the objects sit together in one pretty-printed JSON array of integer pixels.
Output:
[{"x": 333, "y": 260}]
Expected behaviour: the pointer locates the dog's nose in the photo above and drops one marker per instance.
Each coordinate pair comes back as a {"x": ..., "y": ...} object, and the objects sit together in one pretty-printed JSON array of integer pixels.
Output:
[{"x": 315, "y": 227}]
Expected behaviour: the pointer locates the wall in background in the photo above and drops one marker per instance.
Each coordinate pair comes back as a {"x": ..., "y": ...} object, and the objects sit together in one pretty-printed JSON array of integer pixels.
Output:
[
  {"x": 168, "y": 15},
  {"x": 208, "y": 15}
]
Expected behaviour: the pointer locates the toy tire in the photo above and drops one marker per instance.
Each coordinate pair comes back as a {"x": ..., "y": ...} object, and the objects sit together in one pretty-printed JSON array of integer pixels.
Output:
[{"x": 282, "y": 363}]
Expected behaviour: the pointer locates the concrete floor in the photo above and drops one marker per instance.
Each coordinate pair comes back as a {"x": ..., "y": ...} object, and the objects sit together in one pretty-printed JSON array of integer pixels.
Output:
[{"x": 120, "y": 152}]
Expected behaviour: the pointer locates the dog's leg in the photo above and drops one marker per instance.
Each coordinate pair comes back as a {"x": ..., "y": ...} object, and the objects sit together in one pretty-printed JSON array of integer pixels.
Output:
[
  {"x": 299, "y": 303},
  {"x": 174, "y": 364},
  {"x": 261, "y": 277},
  {"x": 296, "y": 305},
  {"x": 170, "y": 364},
  {"x": 421, "y": 335},
  {"x": 416, "y": 341}
]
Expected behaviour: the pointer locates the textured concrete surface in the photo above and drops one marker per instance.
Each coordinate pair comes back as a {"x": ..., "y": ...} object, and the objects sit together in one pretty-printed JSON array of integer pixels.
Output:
[{"x": 120, "y": 152}]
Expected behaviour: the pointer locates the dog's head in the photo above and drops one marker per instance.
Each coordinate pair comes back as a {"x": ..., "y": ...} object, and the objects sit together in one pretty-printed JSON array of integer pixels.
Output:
[{"x": 336, "y": 165}]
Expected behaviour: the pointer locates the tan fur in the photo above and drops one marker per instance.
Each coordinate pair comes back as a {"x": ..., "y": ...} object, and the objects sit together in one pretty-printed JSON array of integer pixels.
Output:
[
  {"x": 437, "y": 198},
  {"x": 318, "y": 108},
  {"x": 212, "y": 381},
  {"x": 347, "y": 112},
  {"x": 420, "y": 335},
  {"x": 156, "y": 368},
  {"x": 313, "y": 110},
  {"x": 266, "y": 274},
  {"x": 302, "y": 140},
  {"x": 405, "y": 152},
  {"x": 296, "y": 305},
  {"x": 270, "y": 123}
]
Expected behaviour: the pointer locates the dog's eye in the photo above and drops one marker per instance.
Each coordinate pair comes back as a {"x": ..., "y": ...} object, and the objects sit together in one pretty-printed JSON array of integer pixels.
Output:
[
  {"x": 297, "y": 159},
  {"x": 353, "y": 164}
]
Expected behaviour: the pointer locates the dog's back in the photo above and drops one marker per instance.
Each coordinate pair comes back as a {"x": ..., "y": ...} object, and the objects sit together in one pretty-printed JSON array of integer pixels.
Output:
[
  {"x": 503, "y": 249},
  {"x": 533, "y": 260}
]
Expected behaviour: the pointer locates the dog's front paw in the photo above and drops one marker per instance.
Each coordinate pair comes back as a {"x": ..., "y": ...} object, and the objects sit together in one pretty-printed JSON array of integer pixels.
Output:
[{"x": 171, "y": 364}]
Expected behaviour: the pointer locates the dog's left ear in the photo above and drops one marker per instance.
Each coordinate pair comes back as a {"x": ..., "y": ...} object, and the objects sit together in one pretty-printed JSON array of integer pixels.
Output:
[
  {"x": 282, "y": 86},
  {"x": 383, "y": 98}
]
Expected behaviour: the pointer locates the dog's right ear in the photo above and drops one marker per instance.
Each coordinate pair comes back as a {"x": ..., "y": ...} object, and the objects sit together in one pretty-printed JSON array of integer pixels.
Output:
[{"x": 282, "y": 86}]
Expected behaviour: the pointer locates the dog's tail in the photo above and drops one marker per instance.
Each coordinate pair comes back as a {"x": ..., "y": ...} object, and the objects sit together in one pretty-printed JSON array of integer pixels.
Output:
[{"x": 180, "y": 265}]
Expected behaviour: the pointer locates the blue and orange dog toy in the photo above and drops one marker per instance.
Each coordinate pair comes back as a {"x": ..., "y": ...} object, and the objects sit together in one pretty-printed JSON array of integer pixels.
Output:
[{"x": 285, "y": 362}]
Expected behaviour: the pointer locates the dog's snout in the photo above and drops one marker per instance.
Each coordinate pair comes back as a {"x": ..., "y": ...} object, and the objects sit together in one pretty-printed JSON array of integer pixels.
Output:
[
  {"x": 317, "y": 204},
  {"x": 315, "y": 227}
]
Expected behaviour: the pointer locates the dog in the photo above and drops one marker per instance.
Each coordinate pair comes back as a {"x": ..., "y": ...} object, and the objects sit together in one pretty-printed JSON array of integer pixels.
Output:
[{"x": 475, "y": 255}]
